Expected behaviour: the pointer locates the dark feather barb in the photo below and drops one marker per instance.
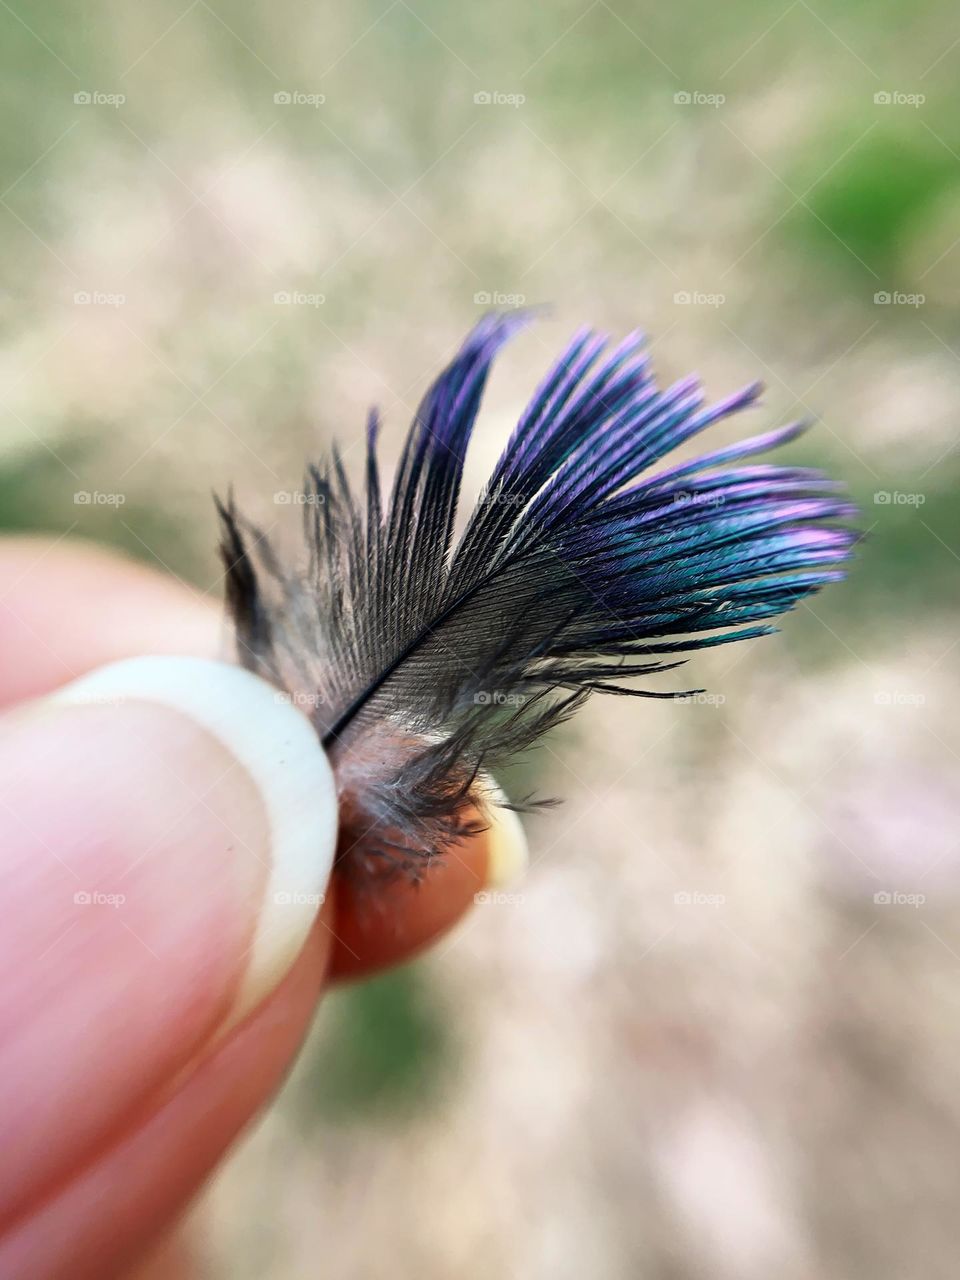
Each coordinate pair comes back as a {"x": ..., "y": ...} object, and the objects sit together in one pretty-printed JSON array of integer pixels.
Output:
[{"x": 425, "y": 660}]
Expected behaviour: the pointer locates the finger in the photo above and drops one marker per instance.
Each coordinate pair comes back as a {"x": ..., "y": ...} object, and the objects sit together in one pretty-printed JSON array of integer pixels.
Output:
[
  {"x": 96, "y": 1225},
  {"x": 167, "y": 828},
  {"x": 400, "y": 918},
  {"x": 67, "y": 607}
]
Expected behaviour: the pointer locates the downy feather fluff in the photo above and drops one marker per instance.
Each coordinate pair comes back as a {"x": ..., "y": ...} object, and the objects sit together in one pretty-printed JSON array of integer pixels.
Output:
[{"x": 425, "y": 660}]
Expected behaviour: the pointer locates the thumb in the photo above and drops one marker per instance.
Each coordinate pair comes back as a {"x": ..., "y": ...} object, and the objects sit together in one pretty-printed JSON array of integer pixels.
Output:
[{"x": 167, "y": 828}]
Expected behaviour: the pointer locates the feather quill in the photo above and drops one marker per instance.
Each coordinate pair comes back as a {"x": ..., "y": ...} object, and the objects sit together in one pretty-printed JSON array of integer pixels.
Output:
[{"x": 425, "y": 660}]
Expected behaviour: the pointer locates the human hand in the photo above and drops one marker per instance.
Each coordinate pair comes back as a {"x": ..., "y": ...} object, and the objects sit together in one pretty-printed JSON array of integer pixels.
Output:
[{"x": 166, "y": 834}]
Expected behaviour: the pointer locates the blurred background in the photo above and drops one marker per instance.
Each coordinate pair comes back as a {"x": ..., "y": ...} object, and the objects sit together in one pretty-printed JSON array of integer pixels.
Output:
[{"x": 715, "y": 1033}]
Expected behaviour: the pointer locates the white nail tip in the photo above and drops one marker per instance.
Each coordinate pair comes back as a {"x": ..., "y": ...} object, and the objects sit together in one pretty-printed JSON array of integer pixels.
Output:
[
  {"x": 281, "y": 752},
  {"x": 509, "y": 854}
]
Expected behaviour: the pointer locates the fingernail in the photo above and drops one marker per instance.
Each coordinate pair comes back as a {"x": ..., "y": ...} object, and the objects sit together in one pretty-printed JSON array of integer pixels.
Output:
[
  {"x": 509, "y": 853},
  {"x": 279, "y": 757},
  {"x": 169, "y": 826}
]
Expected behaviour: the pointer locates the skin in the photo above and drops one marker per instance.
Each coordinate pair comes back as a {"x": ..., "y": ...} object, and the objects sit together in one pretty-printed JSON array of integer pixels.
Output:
[{"x": 94, "y": 1191}]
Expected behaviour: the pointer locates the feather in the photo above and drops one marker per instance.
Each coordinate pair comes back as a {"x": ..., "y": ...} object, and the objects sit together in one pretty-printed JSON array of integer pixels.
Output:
[{"x": 425, "y": 660}]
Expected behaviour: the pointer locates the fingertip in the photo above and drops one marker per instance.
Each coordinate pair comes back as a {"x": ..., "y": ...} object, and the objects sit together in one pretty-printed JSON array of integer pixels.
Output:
[
  {"x": 379, "y": 925},
  {"x": 168, "y": 829},
  {"x": 376, "y": 926},
  {"x": 273, "y": 749},
  {"x": 67, "y": 607}
]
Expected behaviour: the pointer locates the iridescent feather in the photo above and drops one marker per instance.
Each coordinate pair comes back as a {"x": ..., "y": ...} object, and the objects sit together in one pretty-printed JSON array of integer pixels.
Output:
[{"x": 425, "y": 660}]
